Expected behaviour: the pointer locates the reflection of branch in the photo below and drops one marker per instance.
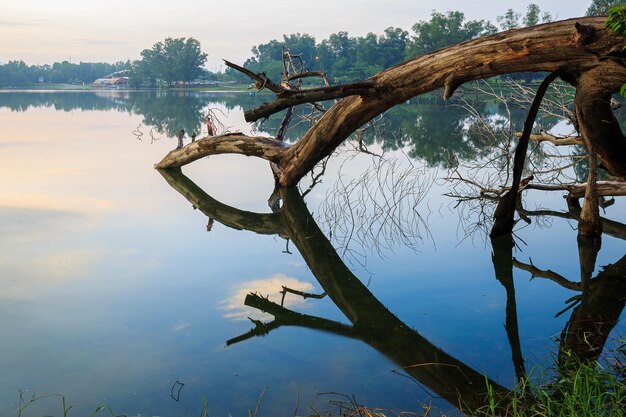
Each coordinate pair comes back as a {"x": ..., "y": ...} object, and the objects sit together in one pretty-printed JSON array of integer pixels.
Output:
[
  {"x": 378, "y": 210},
  {"x": 371, "y": 321},
  {"x": 302, "y": 294},
  {"x": 548, "y": 274},
  {"x": 237, "y": 219},
  {"x": 609, "y": 227},
  {"x": 285, "y": 317},
  {"x": 260, "y": 329},
  {"x": 316, "y": 178}
]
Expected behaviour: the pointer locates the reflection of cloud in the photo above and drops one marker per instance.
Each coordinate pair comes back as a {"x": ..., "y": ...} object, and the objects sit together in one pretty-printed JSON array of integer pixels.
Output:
[
  {"x": 30, "y": 271},
  {"x": 64, "y": 265},
  {"x": 25, "y": 222},
  {"x": 269, "y": 287},
  {"x": 180, "y": 326}
]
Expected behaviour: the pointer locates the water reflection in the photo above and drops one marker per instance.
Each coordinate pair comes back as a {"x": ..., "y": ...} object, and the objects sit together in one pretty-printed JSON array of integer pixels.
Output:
[
  {"x": 371, "y": 321},
  {"x": 271, "y": 288},
  {"x": 600, "y": 302},
  {"x": 429, "y": 129}
]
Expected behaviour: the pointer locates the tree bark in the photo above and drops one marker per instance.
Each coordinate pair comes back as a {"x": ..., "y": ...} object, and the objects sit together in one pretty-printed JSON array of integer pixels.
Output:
[
  {"x": 266, "y": 148},
  {"x": 557, "y": 46},
  {"x": 578, "y": 49}
]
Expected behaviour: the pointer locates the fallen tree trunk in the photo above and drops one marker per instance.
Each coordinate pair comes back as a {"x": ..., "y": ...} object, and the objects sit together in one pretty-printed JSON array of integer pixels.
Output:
[
  {"x": 574, "y": 48},
  {"x": 567, "y": 47}
]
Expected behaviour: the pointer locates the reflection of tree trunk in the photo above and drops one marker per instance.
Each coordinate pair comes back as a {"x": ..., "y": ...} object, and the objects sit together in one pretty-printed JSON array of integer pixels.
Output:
[
  {"x": 441, "y": 372},
  {"x": 591, "y": 322},
  {"x": 502, "y": 259},
  {"x": 371, "y": 321}
]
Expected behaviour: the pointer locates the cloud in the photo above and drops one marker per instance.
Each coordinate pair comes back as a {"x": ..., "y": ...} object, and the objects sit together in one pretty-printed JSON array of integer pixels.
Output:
[
  {"x": 89, "y": 41},
  {"x": 267, "y": 287},
  {"x": 27, "y": 23}
]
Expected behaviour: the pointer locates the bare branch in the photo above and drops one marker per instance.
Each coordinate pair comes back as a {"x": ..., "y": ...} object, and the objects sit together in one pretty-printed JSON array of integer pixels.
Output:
[
  {"x": 233, "y": 143},
  {"x": 555, "y": 140},
  {"x": 287, "y": 98},
  {"x": 261, "y": 80}
]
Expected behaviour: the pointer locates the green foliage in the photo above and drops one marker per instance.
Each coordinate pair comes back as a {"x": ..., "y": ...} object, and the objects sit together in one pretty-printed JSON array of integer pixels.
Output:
[
  {"x": 616, "y": 22},
  {"x": 171, "y": 61},
  {"x": 510, "y": 20},
  {"x": 342, "y": 57},
  {"x": 534, "y": 16},
  {"x": 602, "y": 7},
  {"x": 443, "y": 30}
]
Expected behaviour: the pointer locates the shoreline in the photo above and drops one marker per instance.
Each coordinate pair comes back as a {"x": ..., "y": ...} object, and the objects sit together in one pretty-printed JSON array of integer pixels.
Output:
[{"x": 42, "y": 88}]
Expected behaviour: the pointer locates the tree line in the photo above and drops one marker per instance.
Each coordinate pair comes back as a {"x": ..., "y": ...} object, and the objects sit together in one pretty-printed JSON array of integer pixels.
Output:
[
  {"x": 342, "y": 57},
  {"x": 18, "y": 73}
]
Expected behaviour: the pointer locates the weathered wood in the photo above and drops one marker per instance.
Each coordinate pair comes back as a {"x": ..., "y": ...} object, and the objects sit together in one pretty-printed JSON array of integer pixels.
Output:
[
  {"x": 580, "y": 50},
  {"x": 289, "y": 98},
  {"x": 232, "y": 143},
  {"x": 261, "y": 80},
  {"x": 555, "y": 140},
  {"x": 556, "y": 46},
  {"x": 603, "y": 188}
]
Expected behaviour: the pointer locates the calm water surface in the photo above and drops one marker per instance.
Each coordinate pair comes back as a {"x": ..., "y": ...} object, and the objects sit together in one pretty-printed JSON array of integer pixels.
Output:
[{"x": 114, "y": 292}]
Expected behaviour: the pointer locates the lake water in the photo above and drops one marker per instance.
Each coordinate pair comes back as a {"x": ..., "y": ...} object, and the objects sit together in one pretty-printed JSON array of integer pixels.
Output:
[{"x": 114, "y": 292}]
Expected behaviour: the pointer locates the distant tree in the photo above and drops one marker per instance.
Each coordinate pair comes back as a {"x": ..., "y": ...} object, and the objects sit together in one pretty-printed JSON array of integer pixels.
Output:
[
  {"x": 510, "y": 20},
  {"x": 173, "y": 60},
  {"x": 444, "y": 30},
  {"x": 267, "y": 57},
  {"x": 601, "y": 7},
  {"x": 392, "y": 45},
  {"x": 141, "y": 74},
  {"x": 534, "y": 16}
]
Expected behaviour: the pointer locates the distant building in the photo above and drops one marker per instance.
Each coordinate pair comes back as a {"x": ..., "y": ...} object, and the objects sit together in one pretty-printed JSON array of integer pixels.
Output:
[{"x": 111, "y": 82}]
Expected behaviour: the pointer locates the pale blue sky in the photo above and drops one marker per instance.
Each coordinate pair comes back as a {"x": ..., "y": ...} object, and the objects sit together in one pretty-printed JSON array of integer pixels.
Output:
[{"x": 44, "y": 31}]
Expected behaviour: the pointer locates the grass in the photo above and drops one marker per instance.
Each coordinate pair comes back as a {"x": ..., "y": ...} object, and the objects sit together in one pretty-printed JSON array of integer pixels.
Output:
[{"x": 576, "y": 389}]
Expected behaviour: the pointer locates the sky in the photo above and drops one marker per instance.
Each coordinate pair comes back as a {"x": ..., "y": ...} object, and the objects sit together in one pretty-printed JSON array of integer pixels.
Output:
[{"x": 44, "y": 31}]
